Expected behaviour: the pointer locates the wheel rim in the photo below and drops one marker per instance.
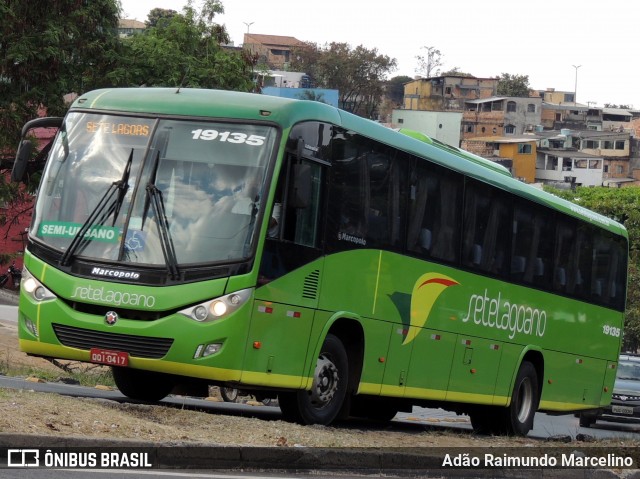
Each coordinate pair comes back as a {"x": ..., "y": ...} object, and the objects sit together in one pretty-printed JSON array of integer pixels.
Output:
[
  {"x": 525, "y": 399},
  {"x": 325, "y": 382}
]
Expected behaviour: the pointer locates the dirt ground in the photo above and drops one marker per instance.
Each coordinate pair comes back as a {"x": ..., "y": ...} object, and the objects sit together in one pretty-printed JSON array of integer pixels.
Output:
[{"x": 29, "y": 412}]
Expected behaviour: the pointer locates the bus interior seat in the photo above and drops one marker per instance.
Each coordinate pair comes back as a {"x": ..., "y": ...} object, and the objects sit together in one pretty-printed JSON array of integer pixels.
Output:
[
  {"x": 477, "y": 254},
  {"x": 518, "y": 264},
  {"x": 425, "y": 238},
  {"x": 539, "y": 267}
]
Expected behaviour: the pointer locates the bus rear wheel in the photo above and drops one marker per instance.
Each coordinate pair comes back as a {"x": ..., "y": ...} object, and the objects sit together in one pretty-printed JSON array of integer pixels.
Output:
[
  {"x": 142, "y": 385},
  {"x": 325, "y": 402},
  {"x": 517, "y": 418}
]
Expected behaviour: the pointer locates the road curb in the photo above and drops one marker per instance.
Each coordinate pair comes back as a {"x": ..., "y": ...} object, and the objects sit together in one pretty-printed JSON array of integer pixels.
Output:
[{"x": 384, "y": 461}]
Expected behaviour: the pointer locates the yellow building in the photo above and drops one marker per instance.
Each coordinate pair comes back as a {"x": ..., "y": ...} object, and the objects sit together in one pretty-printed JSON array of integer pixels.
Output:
[
  {"x": 447, "y": 92},
  {"x": 517, "y": 154}
]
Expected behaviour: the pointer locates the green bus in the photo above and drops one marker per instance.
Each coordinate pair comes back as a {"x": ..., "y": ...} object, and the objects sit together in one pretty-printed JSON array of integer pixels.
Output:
[{"x": 190, "y": 238}]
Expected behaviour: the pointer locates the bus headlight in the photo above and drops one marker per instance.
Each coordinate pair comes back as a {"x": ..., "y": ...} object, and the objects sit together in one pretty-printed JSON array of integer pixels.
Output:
[
  {"x": 219, "y": 307},
  {"x": 34, "y": 288}
]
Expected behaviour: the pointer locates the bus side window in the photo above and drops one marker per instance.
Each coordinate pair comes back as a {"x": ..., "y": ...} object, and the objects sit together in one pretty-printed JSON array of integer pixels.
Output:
[
  {"x": 301, "y": 224},
  {"x": 487, "y": 221},
  {"x": 434, "y": 212},
  {"x": 532, "y": 245},
  {"x": 294, "y": 233},
  {"x": 573, "y": 261}
]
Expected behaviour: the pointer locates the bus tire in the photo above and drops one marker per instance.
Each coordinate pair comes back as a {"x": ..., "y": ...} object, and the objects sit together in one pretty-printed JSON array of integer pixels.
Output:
[
  {"x": 586, "y": 420},
  {"x": 229, "y": 394},
  {"x": 517, "y": 418},
  {"x": 325, "y": 402},
  {"x": 142, "y": 385},
  {"x": 524, "y": 402}
]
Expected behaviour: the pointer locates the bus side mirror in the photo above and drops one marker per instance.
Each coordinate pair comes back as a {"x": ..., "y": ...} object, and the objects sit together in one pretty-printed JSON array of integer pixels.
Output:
[
  {"x": 22, "y": 158},
  {"x": 300, "y": 189}
]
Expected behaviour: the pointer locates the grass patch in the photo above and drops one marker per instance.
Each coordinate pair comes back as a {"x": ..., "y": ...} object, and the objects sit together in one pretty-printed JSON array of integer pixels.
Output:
[{"x": 75, "y": 372}]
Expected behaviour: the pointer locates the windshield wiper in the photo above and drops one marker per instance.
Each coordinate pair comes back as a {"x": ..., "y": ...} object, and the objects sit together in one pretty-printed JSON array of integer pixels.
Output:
[
  {"x": 166, "y": 242},
  {"x": 105, "y": 208},
  {"x": 155, "y": 199}
]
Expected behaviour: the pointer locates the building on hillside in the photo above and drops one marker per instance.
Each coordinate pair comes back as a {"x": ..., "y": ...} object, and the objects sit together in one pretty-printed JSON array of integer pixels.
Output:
[
  {"x": 558, "y": 97},
  {"x": 500, "y": 116},
  {"x": 616, "y": 119},
  {"x": 128, "y": 27},
  {"x": 586, "y": 157},
  {"x": 446, "y": 93},
  {"x": 559, "y": 166},
  {"x": 517, "y": 154},
  {"x": 615, "y": 149},
  {"x": 274, "y": 51},
  {"x": 444, "y": 126}
]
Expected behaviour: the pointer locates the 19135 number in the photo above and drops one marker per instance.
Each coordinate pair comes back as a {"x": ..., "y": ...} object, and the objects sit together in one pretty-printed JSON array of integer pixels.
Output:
[{"x": 227, "y": 136}]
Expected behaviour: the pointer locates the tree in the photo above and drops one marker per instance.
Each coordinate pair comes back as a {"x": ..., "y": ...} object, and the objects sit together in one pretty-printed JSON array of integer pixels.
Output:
[
  {"x": 158, "y": 15},
  {"x": 622, "y": 205},
  {"x": 394, "y": 89},
  {"x": 45, "y": 54},
  {"x": 185, "y": 50},
  {"x": 513, "y": 85},
  {"x": 455, "y": 71},
  {"x": 393, "y": 97},
  {"x": 428, "y": 64},
  {"x": 358, "y": 74},
  {"x": 308, "y": 94}
]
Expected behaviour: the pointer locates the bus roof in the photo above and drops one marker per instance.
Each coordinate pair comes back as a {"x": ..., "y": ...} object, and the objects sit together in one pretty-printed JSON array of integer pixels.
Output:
[{"x": 287, "y": 112}]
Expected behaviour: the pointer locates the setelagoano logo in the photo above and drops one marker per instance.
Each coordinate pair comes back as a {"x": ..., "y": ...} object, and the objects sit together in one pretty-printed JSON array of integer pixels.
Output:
[
  {"x": 492, "y": 312},
  {"x": 116, "y": 298}
]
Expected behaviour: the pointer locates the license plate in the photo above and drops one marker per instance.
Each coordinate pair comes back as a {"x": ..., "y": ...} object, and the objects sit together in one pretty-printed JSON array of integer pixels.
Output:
[
  {"x": 112, "y": 358},
  {"x": 622, "y": 410}
]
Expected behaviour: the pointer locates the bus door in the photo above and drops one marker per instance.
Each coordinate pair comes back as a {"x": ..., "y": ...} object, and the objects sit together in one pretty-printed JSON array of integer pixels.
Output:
[{"x": 289, "y": 279}]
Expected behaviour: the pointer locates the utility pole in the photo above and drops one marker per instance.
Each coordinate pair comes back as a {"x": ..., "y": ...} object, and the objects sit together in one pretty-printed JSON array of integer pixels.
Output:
[
  {"x": 248, "y": 25},
  {"x": 575, "y": 85}
]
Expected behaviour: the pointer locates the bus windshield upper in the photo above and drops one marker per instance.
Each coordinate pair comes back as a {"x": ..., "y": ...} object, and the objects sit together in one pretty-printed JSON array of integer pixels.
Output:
[{"x": 206, "y": 178}]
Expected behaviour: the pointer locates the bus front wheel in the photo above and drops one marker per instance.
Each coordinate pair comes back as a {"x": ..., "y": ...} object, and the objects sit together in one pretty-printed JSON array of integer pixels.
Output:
[
  {"x": 142, "y": 385},
  {"x": 325, "y": 402}
]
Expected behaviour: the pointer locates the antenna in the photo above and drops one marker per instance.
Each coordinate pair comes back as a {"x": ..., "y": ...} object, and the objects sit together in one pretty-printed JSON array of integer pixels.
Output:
[{"x": 184, "y": 77}]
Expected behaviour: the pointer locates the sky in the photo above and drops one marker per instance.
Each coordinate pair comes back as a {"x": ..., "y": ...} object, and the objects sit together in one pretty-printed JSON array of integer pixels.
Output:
[{"x": 568, "y": 45}]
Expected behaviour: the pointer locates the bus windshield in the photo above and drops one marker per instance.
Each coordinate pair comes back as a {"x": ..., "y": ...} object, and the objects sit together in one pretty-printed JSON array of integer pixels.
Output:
[{"x": 111, "y": 181}]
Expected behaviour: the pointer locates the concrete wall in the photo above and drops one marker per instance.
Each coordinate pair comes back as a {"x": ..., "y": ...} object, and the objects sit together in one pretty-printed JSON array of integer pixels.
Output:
[{"x": 441, "y": 125}]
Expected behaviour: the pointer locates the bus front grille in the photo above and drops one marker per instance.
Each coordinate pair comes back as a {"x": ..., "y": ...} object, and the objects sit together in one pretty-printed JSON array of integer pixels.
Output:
[{"x": 138, "y": 346}]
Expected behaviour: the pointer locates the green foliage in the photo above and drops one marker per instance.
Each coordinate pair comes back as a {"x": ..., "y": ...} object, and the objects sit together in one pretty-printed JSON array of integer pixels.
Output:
[
  {"x": 183, "y": 50},
  {"x": 395, "y": 89},
  {"x": 513, "y": 85},
  {"x": 358, "y": 74},
  {"x": 46, "y": 53},
  {"x": 455, "y": 71},
  {"x": 158, "y": 15},
  {"x": 622, "y": 205}
]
